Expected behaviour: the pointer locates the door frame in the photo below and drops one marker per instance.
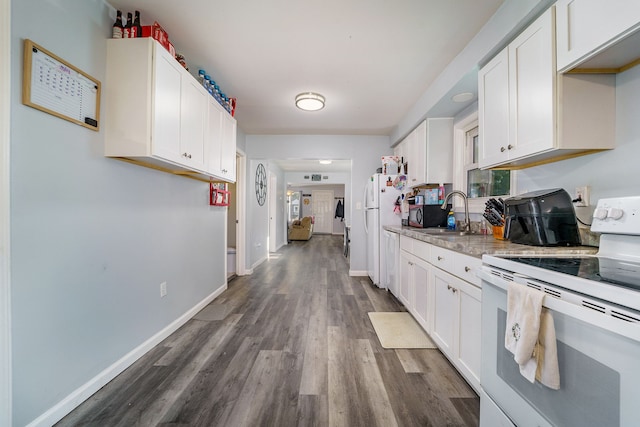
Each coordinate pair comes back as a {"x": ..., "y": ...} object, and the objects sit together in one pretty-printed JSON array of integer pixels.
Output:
[
  {"x": 5, "y": 223},
  {"x": 241, "y": 212},
  {"x": 273, "y": 211}
]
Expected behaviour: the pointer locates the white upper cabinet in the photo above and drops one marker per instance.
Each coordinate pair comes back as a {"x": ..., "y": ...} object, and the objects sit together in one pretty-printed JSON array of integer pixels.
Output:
[
  {"x": 517, "y": 97},
  {"x": 158, "y": 115},
  {"x": 493, "y": 110},
  {"x": 193, "y": 115},
  {"x": 228, "y": 149},
  {"x": 221, "y": 134},
  {"x": 587, "y": 27},
  {"x": 529, "y": 115},
  {"x": 428, "y": 149},
  {"x": 532, "y": 80},
  {"x": 165, "y": 132}
]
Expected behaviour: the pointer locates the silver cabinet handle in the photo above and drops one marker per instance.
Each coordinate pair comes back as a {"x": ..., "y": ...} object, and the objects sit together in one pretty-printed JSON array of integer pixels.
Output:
[
  {"x": 452, "y": 289},
  {"x": 187, "y": 155},
  {"x": 467, "y": 269},
  {"x": 502, "y": 149},
  {"x": 509, "y": 147},
  {"x": 440, "y": 258}
]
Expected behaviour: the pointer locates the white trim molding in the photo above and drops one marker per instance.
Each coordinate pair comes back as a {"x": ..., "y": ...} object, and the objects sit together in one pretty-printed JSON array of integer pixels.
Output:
[
  {"x": 241, "y": 213},
  {"x": 66, "y": 405},
  {"x": 6, "y": 401},
  {"x": 358, "y": 273}
]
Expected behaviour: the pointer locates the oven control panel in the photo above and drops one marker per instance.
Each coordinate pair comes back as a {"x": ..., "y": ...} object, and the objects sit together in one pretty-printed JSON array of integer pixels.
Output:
[{"x": 620, "y": 215}]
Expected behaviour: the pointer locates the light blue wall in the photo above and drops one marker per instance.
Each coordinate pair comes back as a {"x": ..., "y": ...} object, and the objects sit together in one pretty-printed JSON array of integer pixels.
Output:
[
  {"x": 92, "y": 238},
  {"x": 363, "y": 151},
  {"x": 610, "y": 173}
]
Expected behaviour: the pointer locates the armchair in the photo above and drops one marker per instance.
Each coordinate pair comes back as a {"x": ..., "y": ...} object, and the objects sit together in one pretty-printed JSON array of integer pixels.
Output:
[{"x": 301, "y": 229}]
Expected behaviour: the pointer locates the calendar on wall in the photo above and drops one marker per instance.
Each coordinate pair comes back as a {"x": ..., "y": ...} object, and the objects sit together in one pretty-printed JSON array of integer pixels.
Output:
[{"x": 56, "y": 87}]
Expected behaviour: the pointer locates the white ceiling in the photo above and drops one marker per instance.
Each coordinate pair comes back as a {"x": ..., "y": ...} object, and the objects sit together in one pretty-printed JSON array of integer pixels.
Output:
[{"x": 371, "y": 59}]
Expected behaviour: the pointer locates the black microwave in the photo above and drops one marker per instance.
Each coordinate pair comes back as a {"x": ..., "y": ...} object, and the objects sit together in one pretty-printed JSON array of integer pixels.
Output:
[{"x": 424, "y": 216}]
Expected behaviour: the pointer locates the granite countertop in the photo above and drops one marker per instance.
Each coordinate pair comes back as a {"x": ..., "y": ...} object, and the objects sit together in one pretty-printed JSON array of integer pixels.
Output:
[{"x": 477, "y": 244}]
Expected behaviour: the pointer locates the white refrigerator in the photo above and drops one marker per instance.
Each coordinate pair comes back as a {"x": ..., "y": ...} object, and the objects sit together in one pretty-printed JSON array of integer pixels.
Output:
[{"x": 379, "y": 210}]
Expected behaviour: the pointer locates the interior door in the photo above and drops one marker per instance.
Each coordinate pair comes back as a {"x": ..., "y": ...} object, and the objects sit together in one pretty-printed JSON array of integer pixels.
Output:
[{"x": 322, "y": 208}]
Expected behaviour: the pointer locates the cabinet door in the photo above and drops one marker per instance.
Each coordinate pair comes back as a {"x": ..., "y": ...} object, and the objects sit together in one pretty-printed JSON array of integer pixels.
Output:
[
  {"x": 469, "y": 339},
  {"x": 214, "y": 138},
  {"x": 228, "y": 148},
  {"x": 418, "y": 157},
  {"x": 422, "y": 294},
  {"x": 399, "y": 150},
  {"x": 193, "y": 114},
  {"x": 493, "y": 110},
  {"x": 439, "y": 151},
  {"x": 166, "y": 112},
  {"x": 586, "y": 26},
  {"x": 445, "y": 312},
  {"x": 406, "y": 269},
  {"x": 532, "y": 79}
]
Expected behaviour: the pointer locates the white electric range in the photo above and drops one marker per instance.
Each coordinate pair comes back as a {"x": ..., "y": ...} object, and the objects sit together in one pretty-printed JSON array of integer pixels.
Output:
[{"x": 595, "y": 303}]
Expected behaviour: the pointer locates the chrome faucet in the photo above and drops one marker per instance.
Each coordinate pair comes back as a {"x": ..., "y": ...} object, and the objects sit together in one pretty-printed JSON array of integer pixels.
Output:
[{"x": 467, "y": 223}]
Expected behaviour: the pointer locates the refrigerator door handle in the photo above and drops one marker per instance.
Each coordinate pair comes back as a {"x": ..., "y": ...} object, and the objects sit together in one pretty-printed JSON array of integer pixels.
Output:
[{"x": 364, "y": 210}]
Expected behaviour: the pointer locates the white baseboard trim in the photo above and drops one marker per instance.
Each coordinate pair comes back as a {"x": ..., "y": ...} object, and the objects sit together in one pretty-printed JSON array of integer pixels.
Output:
[
  {"x": 358, "y": 273},
  {"x": 260, "y": 261},
  {"x": 69, "y": 403}
]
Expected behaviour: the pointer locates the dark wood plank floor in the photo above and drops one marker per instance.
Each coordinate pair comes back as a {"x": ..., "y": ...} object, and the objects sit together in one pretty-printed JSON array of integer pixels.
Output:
[{"x": 290, "y": 345}]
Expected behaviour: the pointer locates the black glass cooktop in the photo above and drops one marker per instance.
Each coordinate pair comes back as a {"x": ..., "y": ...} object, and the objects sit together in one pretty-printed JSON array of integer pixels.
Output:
[{"x": 600, "y": 269}]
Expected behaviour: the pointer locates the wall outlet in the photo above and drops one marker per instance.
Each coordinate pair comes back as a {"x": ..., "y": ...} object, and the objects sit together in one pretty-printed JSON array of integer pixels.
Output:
[
  {"x": 163, "y": 289},
  {"x": 582, "y": 194}
]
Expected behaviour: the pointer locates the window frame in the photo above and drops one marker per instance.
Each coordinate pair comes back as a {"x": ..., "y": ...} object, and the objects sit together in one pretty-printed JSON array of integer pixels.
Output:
[{"x": 460, "y": 129}]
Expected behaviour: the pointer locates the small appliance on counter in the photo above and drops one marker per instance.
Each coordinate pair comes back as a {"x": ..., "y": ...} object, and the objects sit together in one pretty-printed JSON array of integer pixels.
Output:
[
  {"x": 424, "y": 216},
  {"x": 541, "y": 218}
]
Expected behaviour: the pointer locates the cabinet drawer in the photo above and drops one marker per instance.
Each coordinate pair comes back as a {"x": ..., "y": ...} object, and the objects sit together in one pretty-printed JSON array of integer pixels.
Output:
[
  {"x": 406, "y": 244},
  {"x": 421, "y": 249},
  {"x": 442, "y": 258},
  {"x": 466, "y": 267}
]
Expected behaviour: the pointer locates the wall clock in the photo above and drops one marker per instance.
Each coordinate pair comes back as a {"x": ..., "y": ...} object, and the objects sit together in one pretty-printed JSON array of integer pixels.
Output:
[{"x": 261, "y": 184}]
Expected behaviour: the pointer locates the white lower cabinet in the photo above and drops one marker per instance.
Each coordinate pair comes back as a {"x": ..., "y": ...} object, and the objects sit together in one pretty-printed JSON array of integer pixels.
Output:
[
  {"x": 456, "y": 326},
  {"x": 404, "y": 290},
  {"x": 415, "y": 287},
  {"x": 421, "y": 293},
  {"x": 445, "y": 311},
  {"x": 445, "y": 305}
]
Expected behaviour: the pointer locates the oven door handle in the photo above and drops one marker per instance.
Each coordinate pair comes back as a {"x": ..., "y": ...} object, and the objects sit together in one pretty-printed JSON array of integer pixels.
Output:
[{"x": 624, "y": 328}]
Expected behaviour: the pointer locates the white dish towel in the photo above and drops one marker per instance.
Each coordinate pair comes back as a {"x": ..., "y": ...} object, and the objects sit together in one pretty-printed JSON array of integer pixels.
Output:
[
  {"x": 524, "y": 305},
  {"x": 547, "y": 371}
]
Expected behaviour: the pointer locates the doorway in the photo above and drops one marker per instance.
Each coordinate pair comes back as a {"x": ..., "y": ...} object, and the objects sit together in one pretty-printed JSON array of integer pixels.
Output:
[
  {"x": 322, "y": 208},
  {"x": 237, "y": 219}
]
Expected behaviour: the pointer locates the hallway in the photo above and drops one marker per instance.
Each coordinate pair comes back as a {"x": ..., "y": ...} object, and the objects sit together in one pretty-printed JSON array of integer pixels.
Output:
[{"x": 290, "y": 345}]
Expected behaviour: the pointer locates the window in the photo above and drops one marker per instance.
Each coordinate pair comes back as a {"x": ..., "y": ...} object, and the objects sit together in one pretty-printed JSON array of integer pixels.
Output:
[
  {"x": 478, "y": 184},
  {"x": 482, "y": 183}
]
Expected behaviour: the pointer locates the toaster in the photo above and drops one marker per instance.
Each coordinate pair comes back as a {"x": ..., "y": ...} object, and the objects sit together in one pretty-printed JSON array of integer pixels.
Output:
[{"x": 541, "y": 218}]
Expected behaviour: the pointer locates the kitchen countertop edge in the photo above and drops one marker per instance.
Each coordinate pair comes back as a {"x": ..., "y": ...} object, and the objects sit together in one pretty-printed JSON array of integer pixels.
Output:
[{"x": 477, "y": 245}]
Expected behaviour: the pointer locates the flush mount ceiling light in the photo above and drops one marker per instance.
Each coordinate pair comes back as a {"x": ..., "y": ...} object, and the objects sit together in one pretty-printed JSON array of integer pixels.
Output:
[
  {"x": 310, "y": 101},
  {"x": 325, "y": 162},
  {"x": 462, "y": 97}
]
